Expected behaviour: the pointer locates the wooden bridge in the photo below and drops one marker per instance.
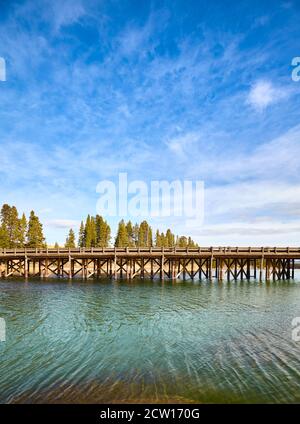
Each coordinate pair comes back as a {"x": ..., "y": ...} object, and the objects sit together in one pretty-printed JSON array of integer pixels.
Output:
[{"x": 171, "y": 263}]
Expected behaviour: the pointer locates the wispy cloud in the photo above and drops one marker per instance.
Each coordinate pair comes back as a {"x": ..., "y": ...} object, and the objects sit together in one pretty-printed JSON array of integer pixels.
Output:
[
  {"x": 63, "y": 223},
  {"x": 264, "y": 93}
]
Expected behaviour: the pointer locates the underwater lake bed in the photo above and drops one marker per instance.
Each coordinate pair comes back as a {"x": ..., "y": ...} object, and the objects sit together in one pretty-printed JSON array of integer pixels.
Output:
[{"x": 149, "y": 341}]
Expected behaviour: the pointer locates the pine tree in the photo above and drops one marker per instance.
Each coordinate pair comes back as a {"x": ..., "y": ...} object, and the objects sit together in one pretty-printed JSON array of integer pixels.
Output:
[
  {"x": 10, "y": 222},
  {"x": 157, "y": 239},
  {"x": 163, "y": 240},
  {"x": 93, "y": 232},
  {"x": 170, "y": 238},
  {"x": 107, "y": 235},
  {"x": 136, "y": 230},
  {"x": 122, "y": 236},
  {"x": 142, "y": 235},
  {"x": 150, "y": 238},
  {"x": 70, "y": 240},
  {"x": 182, "y": 242},
  {"x": 4, "y": 238},
  {"x": 191, "y": 243},
  {"x": 35, "y": 237},
  {"x": 88, "y": 232},
  {"x": 102, "y": 232},
  {"x": 145, "y": 235},
  {"x": 81, "y": 236},
  {"x": 22, "y": 231},
  {"x": 130, "y": 232}
]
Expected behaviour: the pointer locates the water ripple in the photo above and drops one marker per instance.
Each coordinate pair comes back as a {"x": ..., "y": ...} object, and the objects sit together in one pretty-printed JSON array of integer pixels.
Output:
[{"x": 149, "y": 342}]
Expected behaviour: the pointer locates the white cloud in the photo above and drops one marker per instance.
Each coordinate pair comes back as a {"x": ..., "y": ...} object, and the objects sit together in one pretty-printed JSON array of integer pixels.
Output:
[
  {"x": 66, "y": 13},
  {"x": 246, "y": 229},
  {"x": 63, "y": 223},
  {"x": 274, "y": 160},
  {"x": 252, "y": 199},
  {"x": 182, "y": 143},
  {"x": 263, "y": 93}
]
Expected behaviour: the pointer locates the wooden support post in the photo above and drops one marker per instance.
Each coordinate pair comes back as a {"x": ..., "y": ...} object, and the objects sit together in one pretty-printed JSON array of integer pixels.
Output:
[
  {"x": 70, "y": 267},
  {"x": 115, "y": 265},
  {"x": 58, "y": 267},
  {"x": 202, "y": 268},
  {"x": 121, "y": 267},
  {"x": 142, "y": 268},
  {"x": 288, "y": 265},
  {"x": 192, "y": 268},
  {"x": 220, "y": 269},
  {"x": 98, "y": 268},
  {"x": 6, "y": 272},
  {"x": 267, "y": 269},
  {"x": 26, "y": 267},
  {"x": 84, "y": 270},
  {"x": 261, "y": 265},
  {"x": 248, "y": 269},
  {"x": 242, "y": 268},
  {"x": 46, "y": 268},
  {"x": 127, "y": 268},
  {"x": 228, "y": 269}
]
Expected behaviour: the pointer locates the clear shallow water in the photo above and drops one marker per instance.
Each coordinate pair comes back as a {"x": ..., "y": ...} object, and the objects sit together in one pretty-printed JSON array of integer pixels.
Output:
[{"x": 149, "y": 342}]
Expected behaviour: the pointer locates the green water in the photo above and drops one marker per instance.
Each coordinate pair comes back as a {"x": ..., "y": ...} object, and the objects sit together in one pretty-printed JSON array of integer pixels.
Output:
[{"x": 108, "y": 341}]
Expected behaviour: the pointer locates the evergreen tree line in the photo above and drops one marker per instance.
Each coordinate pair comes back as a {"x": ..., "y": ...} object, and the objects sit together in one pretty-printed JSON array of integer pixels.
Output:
[
  {"x": 129, "y": 235},
  {"x": 94, "y": 233},
  {"x": 97, "y": 233},
  {"x": 17, "y": 231}
]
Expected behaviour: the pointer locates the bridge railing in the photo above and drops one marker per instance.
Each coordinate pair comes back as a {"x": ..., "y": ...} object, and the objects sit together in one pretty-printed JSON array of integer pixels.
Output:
[{"x": 137, "y": 250}]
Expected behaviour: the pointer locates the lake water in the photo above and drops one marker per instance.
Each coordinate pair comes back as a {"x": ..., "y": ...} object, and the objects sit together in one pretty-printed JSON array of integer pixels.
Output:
[{"x": 145, "y": 341}]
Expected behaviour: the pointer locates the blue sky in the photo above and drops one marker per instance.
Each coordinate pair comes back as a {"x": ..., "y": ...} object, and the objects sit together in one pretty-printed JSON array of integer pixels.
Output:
[{"x": 160, "y": 90}]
